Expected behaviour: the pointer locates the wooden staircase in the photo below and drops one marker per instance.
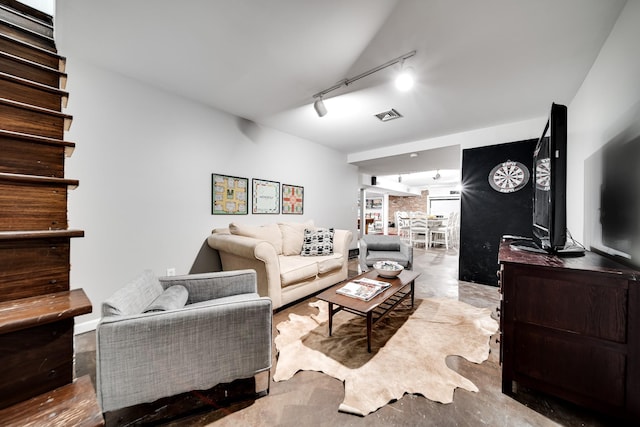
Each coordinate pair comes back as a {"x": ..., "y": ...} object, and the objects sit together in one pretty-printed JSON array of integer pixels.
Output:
[{"x": 37, "y": 306}]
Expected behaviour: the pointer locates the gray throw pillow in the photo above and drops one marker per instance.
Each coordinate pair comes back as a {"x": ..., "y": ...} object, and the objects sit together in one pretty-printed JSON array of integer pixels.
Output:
[
  {"x": 134, "y": 297},
  {"x": 171, "y": 299}
]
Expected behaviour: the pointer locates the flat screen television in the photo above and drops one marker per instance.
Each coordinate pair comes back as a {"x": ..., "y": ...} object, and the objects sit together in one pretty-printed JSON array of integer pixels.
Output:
[
  {"x": 550, "y": 183},
  {"x": 549, "y": 190},
  {"x": 613, "y": 213}
]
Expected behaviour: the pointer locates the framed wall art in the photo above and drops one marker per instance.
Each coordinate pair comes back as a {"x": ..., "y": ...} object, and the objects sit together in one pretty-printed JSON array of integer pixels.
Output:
[
  {"x": 229, "y": 195},
  {"x": 266, "y": 196},
  {"x": 292, "y": 199}
]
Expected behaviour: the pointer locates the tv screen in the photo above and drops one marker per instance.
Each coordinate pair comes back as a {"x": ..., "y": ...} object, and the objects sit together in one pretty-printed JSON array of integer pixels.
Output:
[
  {"x": 618, "y": 204},
  {"x": 613, "y": 212},
  {"x": 549, "y": 193}
]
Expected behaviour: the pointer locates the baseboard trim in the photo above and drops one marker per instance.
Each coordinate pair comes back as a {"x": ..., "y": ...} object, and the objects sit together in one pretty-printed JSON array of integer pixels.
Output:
[{"x": 81, "y": 328}]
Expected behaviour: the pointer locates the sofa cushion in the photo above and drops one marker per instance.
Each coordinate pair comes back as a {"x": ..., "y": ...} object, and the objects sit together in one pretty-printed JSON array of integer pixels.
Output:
[
  {"x": 295, "y": 268},
  {"x": 330, "y": 263},
  {"x": 293, "y": 236},
  {"x": 382, "y": 242},
  {"x": 172, "y": 298},
  {"x": 375, "y": 256},
  {"x": 317, "y": 242},
  {"x": 270, "y": 232},
  {"x": 134, "y": 297}
]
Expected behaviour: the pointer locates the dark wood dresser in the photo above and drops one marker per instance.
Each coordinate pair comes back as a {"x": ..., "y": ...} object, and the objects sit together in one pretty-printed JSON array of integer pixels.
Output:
[{"x": 570, "y": 327}]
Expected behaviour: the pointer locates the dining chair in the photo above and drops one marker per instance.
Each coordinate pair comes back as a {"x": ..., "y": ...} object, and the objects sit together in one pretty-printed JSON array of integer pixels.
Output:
[
  {"x": 418, "y": 230},
  {"x": 443, "y": 234},
  {"x": 402, "y": 226}
]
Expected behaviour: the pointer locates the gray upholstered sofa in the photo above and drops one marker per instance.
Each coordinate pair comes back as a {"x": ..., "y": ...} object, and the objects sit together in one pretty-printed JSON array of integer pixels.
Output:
[
  {"x": 275, "y": 251},
  {"x": 378, "y": 247},
  {"x": 159, "y": 337}
]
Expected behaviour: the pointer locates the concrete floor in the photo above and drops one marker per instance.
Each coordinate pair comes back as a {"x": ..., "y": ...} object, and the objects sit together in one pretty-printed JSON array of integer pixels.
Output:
[{"x": 312, "y": 398}]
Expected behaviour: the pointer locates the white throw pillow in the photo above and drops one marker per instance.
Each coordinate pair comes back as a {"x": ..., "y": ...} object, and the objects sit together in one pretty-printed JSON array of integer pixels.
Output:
[
  {"x": 293, "y": 236},
  {"x": 270, "y": 233}
]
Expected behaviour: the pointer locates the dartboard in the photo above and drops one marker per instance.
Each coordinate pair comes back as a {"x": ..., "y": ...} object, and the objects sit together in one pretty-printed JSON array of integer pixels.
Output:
[
  {"x": 543, "y": 174},
  {"x": 508, "y": 177}
]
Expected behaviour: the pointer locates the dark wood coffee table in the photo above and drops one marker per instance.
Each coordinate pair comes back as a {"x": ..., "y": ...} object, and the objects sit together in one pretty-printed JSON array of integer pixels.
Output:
[{"x": 379, "y": 306}]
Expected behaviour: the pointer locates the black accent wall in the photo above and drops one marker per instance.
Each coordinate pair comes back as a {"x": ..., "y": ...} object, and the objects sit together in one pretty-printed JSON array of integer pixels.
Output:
[{"x": 486, "y": 214}]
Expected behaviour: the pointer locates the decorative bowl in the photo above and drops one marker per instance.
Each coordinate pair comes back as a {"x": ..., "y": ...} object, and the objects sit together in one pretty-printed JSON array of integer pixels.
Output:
[{"x": 388, "y": 269}]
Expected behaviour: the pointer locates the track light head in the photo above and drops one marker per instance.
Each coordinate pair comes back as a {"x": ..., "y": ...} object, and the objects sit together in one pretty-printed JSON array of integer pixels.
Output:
[
  {"x": 404, "y": 79},
  {"x": 319, "y": 107}
]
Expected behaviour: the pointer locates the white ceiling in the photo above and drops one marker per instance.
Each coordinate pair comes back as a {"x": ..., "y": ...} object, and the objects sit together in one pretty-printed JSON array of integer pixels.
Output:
[{"x": 479, "y": 63}]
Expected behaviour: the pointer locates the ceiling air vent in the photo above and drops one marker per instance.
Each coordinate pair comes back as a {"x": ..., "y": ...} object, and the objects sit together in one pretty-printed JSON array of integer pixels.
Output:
[{"x": 385, "y": 116}]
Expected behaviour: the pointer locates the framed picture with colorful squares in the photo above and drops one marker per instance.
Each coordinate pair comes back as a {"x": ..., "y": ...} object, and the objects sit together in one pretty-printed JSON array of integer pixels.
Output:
[
  {"x": 266, "y": 195},
  {"x": 292, "y": 199},
  {"x": 229, "y": 195}
]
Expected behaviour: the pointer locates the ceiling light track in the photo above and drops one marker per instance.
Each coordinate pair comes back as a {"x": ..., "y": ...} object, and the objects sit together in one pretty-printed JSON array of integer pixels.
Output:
[{"x": 319, "y": 105}]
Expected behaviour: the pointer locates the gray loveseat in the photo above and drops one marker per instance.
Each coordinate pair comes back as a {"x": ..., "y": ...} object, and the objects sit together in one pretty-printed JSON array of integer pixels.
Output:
[
  {"x": 159, "y": 337},
  {"x": 378, "y": 247}
]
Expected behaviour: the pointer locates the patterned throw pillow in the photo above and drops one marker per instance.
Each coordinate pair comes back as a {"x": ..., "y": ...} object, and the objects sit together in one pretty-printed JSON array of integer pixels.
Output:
[{"x": 317, "y": 242}]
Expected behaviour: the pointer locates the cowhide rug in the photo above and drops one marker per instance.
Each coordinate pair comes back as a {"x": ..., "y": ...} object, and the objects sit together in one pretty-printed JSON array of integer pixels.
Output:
[{"x": 409, "y": 348}]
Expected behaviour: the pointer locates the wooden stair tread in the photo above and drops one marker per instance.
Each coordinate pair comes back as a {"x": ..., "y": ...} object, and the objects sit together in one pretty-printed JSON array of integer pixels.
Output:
[
  {"x": 22, "y": 105},
  {"x": 28, "y": 10},
  {"x": 27, "y": 30},
  {"x": 31, "y": 92},
  {"x": 69, "y": 146},
  {"x": 67, "y": 119},
  {"x": 34, "y": 311},
  {"x": 74, "y": 404},
  {"x": 35, "y": 179},
  {"x": 27, "y": 22},
  {"x": 33, "y": 52},
  {"x": 29, "y": 36},
  {"x": 33, "y": 63},
  {"x": 28, "y": 16},
  {"x": 49, "y": 52},
  {"x": 40, "y": 234},
  {"x": 31, "y": 83}
]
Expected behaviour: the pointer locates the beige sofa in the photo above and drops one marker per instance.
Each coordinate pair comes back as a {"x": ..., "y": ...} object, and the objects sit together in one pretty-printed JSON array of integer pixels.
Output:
[{"x": 274, "y": 251}]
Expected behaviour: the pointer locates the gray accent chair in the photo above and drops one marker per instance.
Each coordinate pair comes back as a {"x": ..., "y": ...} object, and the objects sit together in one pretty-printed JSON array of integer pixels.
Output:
[
  {"x": 379, "y": 247},
  {"x": 215, "y": 330}
]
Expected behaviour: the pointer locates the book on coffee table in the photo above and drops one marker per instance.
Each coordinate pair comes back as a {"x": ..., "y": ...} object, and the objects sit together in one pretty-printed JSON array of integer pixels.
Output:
[{"x": 363, "y": 288}]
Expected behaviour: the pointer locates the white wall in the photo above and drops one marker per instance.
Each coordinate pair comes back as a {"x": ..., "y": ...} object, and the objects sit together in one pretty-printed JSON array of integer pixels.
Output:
[
  {"x": 608, "y": 94},
  {"x": 510, "y": 132},
  {"x": 144, "y": 159}
]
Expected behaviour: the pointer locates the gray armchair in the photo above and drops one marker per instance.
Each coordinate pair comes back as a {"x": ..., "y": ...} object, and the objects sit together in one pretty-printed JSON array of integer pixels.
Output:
[
  {"x": 378, "y": 247},
  {"x": 159, "y": 337}
]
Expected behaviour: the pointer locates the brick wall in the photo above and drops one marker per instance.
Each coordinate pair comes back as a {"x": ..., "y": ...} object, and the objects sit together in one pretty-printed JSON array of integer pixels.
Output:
[{"x": 406, "y": 204}]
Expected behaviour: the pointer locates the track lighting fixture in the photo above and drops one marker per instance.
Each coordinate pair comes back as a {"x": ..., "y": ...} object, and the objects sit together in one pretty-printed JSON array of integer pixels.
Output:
[
  {"x": 319, "y": 106},
  {"x": 404, "y": 79}
]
